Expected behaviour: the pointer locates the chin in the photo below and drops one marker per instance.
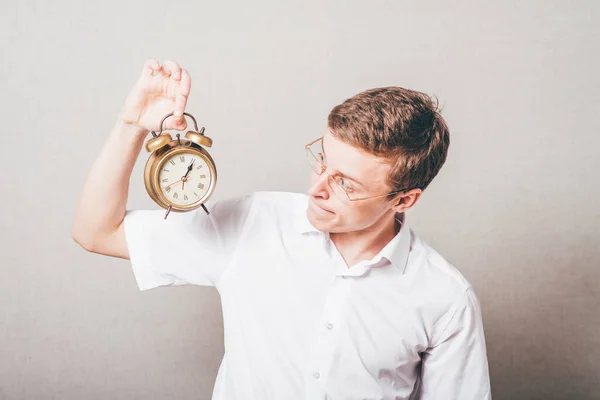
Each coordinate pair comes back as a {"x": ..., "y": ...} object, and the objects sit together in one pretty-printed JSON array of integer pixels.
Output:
[{"x": 318, "y": 222}]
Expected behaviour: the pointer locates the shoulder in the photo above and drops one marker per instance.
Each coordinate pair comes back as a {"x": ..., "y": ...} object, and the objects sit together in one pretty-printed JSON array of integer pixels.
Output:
[
  {"x": 434, "y": 274},
  {"x": 444, "y": 291},
  {"x": 281, "y": 202},
  {"x": 262, "y": 208}
]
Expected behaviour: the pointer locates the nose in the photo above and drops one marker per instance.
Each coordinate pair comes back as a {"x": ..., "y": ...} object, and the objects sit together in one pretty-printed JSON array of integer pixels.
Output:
[{"x": 319, "y": 186}]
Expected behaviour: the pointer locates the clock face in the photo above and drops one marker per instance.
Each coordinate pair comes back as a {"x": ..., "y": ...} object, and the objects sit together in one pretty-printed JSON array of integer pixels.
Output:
[{"x": 184, "y": 178}]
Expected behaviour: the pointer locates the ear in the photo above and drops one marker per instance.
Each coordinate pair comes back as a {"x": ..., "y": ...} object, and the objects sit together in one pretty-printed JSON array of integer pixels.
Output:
[{"x": 404, "y": 201}]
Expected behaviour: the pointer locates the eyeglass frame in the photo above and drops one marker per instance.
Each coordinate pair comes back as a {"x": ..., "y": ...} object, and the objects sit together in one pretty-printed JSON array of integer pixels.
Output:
[{"x": 324, "y": 169}]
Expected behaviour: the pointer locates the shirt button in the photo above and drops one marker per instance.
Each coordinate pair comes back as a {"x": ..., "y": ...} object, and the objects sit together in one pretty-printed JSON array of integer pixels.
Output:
[
  {"x": 330, "y": 326},
  {"x": 317, "y": 375}
]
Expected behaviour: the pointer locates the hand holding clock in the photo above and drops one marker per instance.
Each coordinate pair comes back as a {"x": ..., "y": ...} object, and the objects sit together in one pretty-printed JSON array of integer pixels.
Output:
[
  {"x": 157, "y": 103},
  {"x": 160, "y": 90}
]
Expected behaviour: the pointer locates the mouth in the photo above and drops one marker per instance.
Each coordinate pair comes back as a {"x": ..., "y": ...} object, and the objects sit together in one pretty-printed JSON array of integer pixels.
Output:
[{"x": 319, "y": 208}]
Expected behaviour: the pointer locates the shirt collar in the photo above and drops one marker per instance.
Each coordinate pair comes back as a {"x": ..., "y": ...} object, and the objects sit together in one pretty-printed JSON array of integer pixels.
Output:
[{"x": 395, "y": 251}]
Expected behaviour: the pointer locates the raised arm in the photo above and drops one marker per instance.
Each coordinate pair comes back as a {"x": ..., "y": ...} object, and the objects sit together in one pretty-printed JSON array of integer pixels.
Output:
[{"x": 98, "y": 220}]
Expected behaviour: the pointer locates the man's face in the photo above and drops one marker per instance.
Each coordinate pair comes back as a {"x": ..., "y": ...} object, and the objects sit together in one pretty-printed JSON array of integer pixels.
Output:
[{"x": 364, "y": 173}]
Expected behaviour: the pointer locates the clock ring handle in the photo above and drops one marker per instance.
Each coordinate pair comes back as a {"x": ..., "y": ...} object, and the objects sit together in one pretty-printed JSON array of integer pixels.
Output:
[{"x": 170, "y": 115}]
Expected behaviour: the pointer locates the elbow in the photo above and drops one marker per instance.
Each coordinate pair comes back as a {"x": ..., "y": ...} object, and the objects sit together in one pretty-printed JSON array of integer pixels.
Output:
[
  {"x": 85, "y": 241},
  {"x": 85, "y": 244}
]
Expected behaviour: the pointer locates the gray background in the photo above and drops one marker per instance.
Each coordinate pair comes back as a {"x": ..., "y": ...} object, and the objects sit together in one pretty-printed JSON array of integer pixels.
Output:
[{"x": 515, "y": 207}]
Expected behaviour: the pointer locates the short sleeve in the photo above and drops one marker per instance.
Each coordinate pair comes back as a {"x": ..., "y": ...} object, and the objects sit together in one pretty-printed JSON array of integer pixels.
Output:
[
  {"x": 186, "y": 248},
  {"x": 456, "y": 366}
]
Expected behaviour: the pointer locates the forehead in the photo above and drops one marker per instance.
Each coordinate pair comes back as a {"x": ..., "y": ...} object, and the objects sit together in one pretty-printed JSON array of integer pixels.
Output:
[{"x": 343, "y": 158}]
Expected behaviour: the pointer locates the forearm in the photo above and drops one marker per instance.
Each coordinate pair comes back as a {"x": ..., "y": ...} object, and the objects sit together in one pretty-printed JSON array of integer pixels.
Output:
[{"x": 102, "y": 205}]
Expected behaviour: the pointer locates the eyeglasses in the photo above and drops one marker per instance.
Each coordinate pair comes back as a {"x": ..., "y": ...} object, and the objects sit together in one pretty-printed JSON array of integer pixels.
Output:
[{"x": 338, "y": 184}]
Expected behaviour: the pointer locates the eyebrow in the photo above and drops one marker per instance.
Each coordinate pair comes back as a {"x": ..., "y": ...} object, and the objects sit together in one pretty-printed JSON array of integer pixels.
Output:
[{"x": 340, "y": 173}]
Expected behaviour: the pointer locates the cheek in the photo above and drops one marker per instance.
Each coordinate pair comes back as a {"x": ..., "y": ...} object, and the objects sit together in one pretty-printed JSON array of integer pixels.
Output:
[
  {"x": 358, "y": 218},
  {"x": 361, "y": 217}
]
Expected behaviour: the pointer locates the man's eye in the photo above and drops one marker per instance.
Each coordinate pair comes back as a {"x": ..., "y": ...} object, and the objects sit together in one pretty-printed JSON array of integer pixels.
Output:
[{"x": 344, "y": 184}]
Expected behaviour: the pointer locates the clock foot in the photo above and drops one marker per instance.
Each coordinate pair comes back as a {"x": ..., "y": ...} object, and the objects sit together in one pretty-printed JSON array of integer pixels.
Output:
[
  {"x": 205, "y": 209},
  {"x": 168, "y": 211}
]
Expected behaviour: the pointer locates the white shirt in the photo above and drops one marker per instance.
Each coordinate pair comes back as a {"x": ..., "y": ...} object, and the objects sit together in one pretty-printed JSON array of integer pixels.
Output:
[{"x": 299, "y": 323}]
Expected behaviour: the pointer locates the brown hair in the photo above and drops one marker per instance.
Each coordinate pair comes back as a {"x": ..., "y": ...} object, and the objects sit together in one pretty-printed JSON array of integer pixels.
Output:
[{"x": 401, "y": 125}]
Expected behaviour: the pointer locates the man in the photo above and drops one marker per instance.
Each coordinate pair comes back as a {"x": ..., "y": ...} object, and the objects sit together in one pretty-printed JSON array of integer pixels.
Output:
[{"x": 325, "y": 296}]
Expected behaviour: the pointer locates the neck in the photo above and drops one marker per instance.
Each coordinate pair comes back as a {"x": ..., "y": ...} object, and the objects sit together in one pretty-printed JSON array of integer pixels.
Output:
[{"x": 365, "y": 244}]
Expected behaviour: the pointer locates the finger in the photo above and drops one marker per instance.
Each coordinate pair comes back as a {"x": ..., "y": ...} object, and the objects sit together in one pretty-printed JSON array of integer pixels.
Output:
[
  {"x": 150, "y": 66},
  {"x": 179, "y": 121},
  {"x": 178, "y": 117},
  {"x": 182, "y": 92},
  {"x": 172, "y": 69},
  {"x": 185, "y": 86},
  {"x": 181, "y": 97}
]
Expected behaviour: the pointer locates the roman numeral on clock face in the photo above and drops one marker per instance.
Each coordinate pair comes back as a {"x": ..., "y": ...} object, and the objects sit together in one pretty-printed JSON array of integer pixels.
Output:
[
  {"x": 201, "y": 186},
  {"x": 182, "y": 158}
]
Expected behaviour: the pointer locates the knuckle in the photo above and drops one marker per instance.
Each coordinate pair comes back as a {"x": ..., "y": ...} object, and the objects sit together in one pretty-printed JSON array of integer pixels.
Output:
[{"x": 150, "y": 62}]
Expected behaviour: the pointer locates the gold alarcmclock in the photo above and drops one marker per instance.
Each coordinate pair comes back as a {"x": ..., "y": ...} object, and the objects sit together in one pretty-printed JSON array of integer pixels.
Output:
[{"x": 180, "y": 175}]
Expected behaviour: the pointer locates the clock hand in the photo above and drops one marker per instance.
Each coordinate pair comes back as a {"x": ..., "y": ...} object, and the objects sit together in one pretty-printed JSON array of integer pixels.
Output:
[
  {"x": 189, "y": 168},
  {"x": 184, "y": 178},
  {"x": 171, "y": 184},
  {"x": 175, "y": 183}
]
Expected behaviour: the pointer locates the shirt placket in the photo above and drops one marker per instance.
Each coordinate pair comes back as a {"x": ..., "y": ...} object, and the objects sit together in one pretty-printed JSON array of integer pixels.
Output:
[{"x": 328, "y": 326}]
